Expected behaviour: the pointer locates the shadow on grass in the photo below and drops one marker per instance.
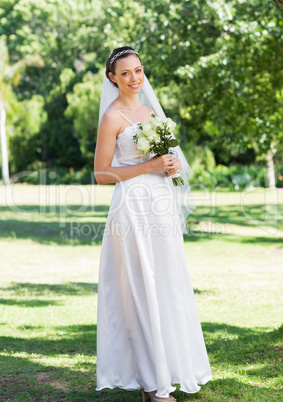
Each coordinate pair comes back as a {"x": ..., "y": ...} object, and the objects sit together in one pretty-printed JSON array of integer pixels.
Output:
[
  {"x": 74, "y": 233},
  {"x": 242, "y": 215},
  {"x": 245, "y": 215},
  {"x": 91, "y": 233},
  {"x": 68, "y": 289},
  {"x": 277, "y": 241},
  {"x": 68, "y": 225},
  {"x": 61, "y": 225},
  {"x": 73, "y": 339},
  {"x": 199, "y": 236},
  {"x": 229, "y": 347},
  {"x": 80, "y": 211},
  {"x": 30, "y": 303},
  {"x": 44, "y": 289},
  {"x": 241, "y": 345}
]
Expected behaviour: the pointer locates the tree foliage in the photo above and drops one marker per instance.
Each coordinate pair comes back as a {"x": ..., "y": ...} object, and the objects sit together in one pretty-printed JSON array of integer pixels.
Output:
[
  {"x": 240, "y": 82},
  {"x": 215, "y": 66}
]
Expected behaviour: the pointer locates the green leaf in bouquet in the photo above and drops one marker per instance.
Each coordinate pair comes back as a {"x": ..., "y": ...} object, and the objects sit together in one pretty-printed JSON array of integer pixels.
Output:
[{"x": 173, "y": 143}]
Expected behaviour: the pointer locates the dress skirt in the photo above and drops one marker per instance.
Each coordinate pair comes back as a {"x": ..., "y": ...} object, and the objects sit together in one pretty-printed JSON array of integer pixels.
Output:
[{"x": 148, "y": 330}]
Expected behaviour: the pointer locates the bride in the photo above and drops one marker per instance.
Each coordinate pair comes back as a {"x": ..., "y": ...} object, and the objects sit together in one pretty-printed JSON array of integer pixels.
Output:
[{"x": 149, "y": 335}]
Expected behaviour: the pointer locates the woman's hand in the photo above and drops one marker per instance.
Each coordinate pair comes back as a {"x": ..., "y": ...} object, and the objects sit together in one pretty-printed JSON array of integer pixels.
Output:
[
  {"x": 166, "y": 162},
  {"x": 176, "y": 166}
]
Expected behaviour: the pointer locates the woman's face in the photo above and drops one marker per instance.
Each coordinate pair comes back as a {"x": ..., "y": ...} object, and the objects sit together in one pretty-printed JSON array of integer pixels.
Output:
[{"x": 129, "y": 75}]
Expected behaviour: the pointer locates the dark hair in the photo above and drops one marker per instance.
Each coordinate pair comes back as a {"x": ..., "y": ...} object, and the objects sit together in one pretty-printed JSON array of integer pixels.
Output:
[{"x": 110, "y": 67}]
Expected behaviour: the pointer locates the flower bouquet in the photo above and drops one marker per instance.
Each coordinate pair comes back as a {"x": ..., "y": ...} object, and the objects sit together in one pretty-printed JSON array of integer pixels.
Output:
[{"x": 156, "y": 136}]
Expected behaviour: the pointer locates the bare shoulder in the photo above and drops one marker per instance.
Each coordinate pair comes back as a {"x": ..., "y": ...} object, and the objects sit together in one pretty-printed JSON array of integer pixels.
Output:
[
  {"x": 110, "y": 122},
  {"x": 110, "y": 116}
]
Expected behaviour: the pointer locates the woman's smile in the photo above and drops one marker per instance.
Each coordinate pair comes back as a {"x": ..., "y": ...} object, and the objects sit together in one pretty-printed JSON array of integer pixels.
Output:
[{"x": 134, "y": 86}]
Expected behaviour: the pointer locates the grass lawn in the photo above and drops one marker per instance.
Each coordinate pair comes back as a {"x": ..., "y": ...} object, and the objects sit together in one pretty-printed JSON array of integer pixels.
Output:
[{"x": 49, "y": 257}]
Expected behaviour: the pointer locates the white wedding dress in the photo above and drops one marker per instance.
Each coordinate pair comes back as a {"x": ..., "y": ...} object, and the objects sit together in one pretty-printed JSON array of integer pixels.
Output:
[{"x": 148, "y": 330}]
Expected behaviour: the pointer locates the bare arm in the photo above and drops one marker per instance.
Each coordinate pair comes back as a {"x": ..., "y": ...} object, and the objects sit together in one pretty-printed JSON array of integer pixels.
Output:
[{"x": 104, "y": 152}]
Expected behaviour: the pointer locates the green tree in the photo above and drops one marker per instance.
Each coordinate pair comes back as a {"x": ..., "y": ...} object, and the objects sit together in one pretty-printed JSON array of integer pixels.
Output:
[
  {"x": 236, "y": 91},
  {"x": 10, "y": 75},
  {"x": 68, "y": 35},
  {"x": 83, "y": 109}
]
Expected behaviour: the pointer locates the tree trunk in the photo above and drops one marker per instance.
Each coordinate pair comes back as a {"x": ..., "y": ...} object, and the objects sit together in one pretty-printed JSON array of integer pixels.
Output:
[
  {"x": 270, "y": 174},
  {"x": 280, "y": 3},
  {"x": 4, "y": 150}
]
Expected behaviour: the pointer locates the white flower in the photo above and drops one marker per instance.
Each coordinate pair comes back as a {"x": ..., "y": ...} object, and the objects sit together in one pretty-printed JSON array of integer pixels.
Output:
[
  {"x": 147, "y": 127},
  {"x": 170, "y": 123},
  {"x": 151, "y": 135},
  {"x": 157, "y": 138},
  {"x": 157, "y": 122},
  {"x": 143, "y": 144}
]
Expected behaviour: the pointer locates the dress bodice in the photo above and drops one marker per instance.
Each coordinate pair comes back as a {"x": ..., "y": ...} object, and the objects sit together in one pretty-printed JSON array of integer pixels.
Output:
[{"x": 126, "y": 150}]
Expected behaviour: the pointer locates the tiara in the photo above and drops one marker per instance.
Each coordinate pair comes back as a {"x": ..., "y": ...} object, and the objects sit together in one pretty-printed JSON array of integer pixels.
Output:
[{"x": 123, "y": 52}]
